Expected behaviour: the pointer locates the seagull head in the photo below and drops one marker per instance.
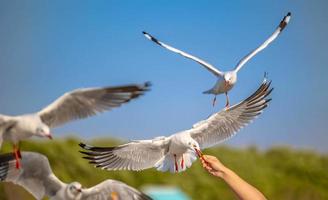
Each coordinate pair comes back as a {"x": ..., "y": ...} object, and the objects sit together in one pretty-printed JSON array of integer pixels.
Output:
[
  {"x": 193, "y": 146},
  {"x": 74, "y": 190},
  {"x": 43, "y": 131},
  {"x": 230, "y": 78}
]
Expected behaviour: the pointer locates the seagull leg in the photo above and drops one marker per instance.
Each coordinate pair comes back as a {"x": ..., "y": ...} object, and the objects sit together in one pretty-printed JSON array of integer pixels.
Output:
[
  {"x": 227, "y": 97},
  {"x": 17, "y": 156},
  {"x": 175, "y": 163},
  {"x": 214, "y": 101},
  {"x": 182, "y": 162}
]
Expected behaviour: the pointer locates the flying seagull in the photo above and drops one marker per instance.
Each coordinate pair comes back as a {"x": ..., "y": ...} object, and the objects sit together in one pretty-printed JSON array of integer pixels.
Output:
[
  {"x": 80, "y": 103},
  {"x": 225, "y": 80},
  {"x": 37, "y": 178},
  {"x": 177, "y": 152}
]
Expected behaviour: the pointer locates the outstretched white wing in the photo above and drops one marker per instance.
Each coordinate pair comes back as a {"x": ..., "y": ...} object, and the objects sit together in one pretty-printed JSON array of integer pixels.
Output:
[
  {"x": 224, "y": 124},
  {"x": 35, "y": 175},
  {"x": 83, "y": 103},
  {"x": 275, "y": 34},
  {"x": 111, "y": 189},
  {"x": 208, "y": 66},
  {"x": 136, "y": 155}
]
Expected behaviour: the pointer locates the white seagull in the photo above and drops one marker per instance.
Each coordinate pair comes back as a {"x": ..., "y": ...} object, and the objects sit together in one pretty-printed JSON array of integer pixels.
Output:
[
  {"x": 177, "y": 152},
  {"x": 226, "y": 80},
  {"x": 74, "y": 105},
  {"x": 37, "y": 178}
]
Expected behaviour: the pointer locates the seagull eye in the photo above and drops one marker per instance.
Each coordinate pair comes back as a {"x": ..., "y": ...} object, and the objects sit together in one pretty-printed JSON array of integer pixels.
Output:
[{"x": 189, "y": 143}]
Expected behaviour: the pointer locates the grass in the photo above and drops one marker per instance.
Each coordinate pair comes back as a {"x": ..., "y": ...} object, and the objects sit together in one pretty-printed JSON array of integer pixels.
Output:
[{"x": 280, "y": 173}]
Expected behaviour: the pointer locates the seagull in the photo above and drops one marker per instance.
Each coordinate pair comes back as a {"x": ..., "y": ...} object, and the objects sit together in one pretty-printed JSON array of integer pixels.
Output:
[
  {"x": 80, "y": 103},
  {"x": 36, "y": 176},
  {"x": 225, "y": 80},
  {"x": 177, "y": 152}
]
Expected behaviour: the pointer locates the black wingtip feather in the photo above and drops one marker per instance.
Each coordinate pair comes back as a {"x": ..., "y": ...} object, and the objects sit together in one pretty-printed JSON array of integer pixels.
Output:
[
  {"x": 268, "y": 93},
  {"x": 6, "y": 157},
  {"x": 84, "y": 146},
  {"x": 151, "y": 37},
  {"x": 268, "y": 100},
  {"x": 148, "y": 84},
  {"x": 284, "y": 22}
]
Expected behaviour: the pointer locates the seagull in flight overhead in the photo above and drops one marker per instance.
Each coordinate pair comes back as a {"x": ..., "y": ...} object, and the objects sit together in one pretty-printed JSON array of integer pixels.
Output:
[
  {"x": 78, "y": 104},
  {"x": 177, "y": 152},
  {"x": 226, "y": 80},
  {"x": 36, "y": 177}
]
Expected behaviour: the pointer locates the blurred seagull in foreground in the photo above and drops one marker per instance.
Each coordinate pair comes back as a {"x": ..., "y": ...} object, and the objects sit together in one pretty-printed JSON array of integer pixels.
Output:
[
  {"x": 226, "y": 80},
  {"x": 177, "y": 152},
  {"x": 77, "y": 104},
  {"x": 37, "y": 177}
]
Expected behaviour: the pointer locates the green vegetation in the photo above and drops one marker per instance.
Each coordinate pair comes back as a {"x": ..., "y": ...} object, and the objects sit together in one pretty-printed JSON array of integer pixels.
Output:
[{"x": 280, "y": 173}]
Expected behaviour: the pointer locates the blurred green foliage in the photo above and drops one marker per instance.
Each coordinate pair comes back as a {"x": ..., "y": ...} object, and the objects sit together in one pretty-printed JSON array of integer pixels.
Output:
[{"x": 280, "y": 173}]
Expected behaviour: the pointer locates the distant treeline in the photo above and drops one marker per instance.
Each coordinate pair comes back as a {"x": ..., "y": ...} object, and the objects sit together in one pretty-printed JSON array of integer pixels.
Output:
[{"x": 280, "y": 173}]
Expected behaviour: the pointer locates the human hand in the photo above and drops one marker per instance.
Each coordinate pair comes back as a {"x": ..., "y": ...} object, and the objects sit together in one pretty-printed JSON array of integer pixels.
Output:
[{"x": 213, "y": 165}]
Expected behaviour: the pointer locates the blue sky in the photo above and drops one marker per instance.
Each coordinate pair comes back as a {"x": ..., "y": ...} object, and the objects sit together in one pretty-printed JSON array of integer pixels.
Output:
[{"x": 50, "y": 47}]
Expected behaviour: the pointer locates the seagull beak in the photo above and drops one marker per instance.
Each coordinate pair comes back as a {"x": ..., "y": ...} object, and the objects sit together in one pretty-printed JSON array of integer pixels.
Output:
[
  {"x": 49, "y": 136},
  {"x": 199, "y": 153}
]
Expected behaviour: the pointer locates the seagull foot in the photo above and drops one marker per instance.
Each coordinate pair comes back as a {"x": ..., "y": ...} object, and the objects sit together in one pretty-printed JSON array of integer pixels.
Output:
[{"x": 18, "y": 165}]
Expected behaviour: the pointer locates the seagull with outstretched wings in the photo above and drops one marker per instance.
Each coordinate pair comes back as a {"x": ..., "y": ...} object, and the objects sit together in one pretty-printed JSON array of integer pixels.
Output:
[
  {"x": 177, "y": 152},
  {"x": 77, "y": 104},
  {"x": 226, "y": 80}
]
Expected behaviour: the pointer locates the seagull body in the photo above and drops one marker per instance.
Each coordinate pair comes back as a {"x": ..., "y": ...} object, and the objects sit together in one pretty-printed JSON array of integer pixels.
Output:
[
  {"x": 36, "y": 176},
  {"x": 225, "y": 80},
  {"x": 77, "y": 104},
  {"x": 177, "y": 152}
]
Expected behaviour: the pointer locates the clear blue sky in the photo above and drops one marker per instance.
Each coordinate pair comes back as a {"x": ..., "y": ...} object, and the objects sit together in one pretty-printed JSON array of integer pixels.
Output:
[{"x": 50, "y": 47}]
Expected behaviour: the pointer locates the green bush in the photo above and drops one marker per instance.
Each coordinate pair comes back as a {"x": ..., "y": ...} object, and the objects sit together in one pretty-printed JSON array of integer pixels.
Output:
[{"x": 280, "y": 173}]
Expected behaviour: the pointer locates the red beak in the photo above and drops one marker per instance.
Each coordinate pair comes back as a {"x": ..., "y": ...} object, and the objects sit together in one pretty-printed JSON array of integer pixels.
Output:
[
  {"x": 49, "y": 136},
  {"x": 199, "y": 153}
]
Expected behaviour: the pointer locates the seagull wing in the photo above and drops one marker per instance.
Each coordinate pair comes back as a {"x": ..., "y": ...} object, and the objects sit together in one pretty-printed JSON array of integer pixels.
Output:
[
  {"x": 6, "y": 123},
  {"x": 110, "y": 188},
  {"x": 83, "y": 103},
  {"x": 226, "y": 123},
  {"x": 208, "y": 66},
  {"x": 35, "y": 175},
  {"x": 275, "y": 34},
  {"x": 136, "y": 155}
]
